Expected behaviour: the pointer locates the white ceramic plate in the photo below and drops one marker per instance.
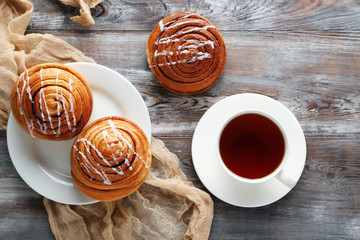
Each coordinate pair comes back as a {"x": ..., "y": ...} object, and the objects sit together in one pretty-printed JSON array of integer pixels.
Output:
[
  {"x": 214, "y": 176},
  {"x": 45, "y": 165}
]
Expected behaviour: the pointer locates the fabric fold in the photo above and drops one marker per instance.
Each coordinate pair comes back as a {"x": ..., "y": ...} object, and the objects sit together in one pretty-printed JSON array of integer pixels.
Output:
[
  {"x": 166, "y": 206},
  {"x": 19, "y": 52},
  {"x": 85, "y": 17}
]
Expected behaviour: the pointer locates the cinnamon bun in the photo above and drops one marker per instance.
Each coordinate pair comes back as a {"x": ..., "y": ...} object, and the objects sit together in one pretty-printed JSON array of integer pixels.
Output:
[
  {"x": 186, "y": 53},
  {"x": 110, "y": 158},
  {"x": 51, "y": 101}
]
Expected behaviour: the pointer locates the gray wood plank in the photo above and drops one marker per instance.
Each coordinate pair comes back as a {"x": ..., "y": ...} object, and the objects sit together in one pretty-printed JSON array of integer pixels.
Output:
[
  {"x": 315, "y": 75},
  {"x": 326, "y": 197},
  {"x": 323, "y": 205},
  {"x": 303, "y": 53},
  {"x": 338, "y": 15},
  {"x": 22, "y": 213}
]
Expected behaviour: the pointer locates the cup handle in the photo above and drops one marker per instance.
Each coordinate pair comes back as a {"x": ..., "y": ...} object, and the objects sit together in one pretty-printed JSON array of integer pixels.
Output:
[{"x": 285, "y": 179}]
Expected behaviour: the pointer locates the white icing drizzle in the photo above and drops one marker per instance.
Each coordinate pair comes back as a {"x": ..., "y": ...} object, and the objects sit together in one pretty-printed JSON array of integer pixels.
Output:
[
  {"x": 70, "y": 84},
  {"x": 163, "y": 53},
  {"x": 18, "y": 93},
  {"x": 41, "y": 78},
  {"x": 166, "y": 39},
  {"x": 57, "y": 99},
  {"x": 201, "y": 56},
  {"x": 163, "y": 26},
  {"x": 117, "y": 133},
  {"x": 41, "y": 110},
  {"x": 24, "y": 79},
  {"x": 42, "y": 127},
  {"x": 172, "y": 38},
  {"x": 170, "y": 63},
  {"x": 85, "y": 141},
  {"x": 28, "y": 89},
  {"x": 28, "y": 83},
  {"x": 29, "y": 123},
  {"x": 182, "y": 23},
  {"x": 185, "y": 51},
  {"x": 59, "y": 125},
  {"x": 128, "y": 164},
  {"x": 87, "y": 169},
  {"x": 207, "y": 55},
  {"x": 40, "y": 102},
  {"x": 66, "y": 115},
  {"x": 42, "y": 96},
  {"x": 101, "y": 173},
  {"x": 200, "y": 43},
  {"x": 105, "y": 135},
  {"x": 72, "y": 104}
]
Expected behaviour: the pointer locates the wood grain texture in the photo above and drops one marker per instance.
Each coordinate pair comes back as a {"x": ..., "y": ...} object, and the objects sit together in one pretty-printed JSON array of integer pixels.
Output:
[
  {"x": 297, "y": 15},
  {"x": 22, "y": 213},
  {"x": 323, "y": 205},
  {"x": 315, "y": 75},
  {"x": 306, "y": 54}
]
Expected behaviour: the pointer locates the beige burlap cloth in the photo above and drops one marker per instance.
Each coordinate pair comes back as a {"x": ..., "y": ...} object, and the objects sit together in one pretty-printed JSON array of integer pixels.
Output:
[
  {"x": 167, "y": 205},
  {"x": 85, "y": 17}
]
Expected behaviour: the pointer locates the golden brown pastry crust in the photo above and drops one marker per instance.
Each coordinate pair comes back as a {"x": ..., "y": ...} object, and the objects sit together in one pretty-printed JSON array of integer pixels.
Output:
[
  {"x": 51, "y": 101},
  {"x": 110, "y": 158},
  {"x": 186, "y": 53}
]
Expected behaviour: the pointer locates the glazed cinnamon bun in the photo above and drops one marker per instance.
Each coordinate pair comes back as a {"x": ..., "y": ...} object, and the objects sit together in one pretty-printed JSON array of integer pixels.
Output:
[
  {"x": 110, "y": 158},
  {"x": 51, "y": 101},
  {"x": 186, "y": 53}
]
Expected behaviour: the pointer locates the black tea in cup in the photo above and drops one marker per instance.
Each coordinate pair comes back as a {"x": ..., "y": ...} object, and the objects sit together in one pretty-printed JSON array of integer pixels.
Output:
[{"x": 252, "y": 146}]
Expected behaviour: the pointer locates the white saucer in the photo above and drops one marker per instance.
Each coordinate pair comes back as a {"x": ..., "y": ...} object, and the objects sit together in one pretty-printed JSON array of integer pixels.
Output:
[
  {"x": 45, "y": 165},
  {"x": 213, "y": 175}
]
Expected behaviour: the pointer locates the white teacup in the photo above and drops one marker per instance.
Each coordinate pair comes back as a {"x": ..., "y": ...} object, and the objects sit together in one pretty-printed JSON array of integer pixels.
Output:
[{"x": 252, "y": 134}]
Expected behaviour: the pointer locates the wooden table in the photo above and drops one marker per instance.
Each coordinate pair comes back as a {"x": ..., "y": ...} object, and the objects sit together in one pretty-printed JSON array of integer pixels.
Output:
[{"x": 305, "y": 54}]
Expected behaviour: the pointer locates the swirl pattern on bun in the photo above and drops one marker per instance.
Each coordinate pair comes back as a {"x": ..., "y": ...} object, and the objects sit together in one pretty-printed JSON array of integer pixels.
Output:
[
  {"x": 110, "y": 158},
  {"x": 51, "y": 101},
  {"x": 186, "y": 53}
]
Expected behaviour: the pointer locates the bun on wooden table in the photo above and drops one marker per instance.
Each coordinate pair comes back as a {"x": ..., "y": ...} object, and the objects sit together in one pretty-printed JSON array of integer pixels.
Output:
[{"x": 186, "y": 53}]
